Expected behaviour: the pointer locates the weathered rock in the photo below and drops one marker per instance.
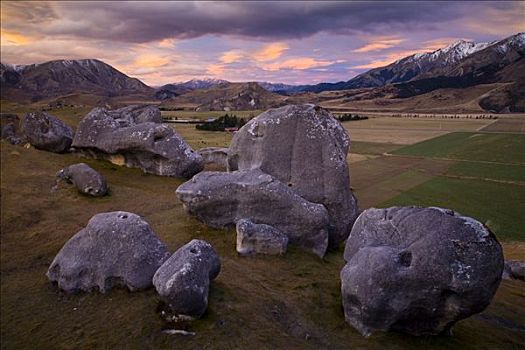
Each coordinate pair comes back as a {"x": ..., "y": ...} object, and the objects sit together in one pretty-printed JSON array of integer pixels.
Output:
[
  {"x": 183, "y": 281},
  {"x": 114, "y": 249},
  {"x": 514, "y": 269},
  {"x": 135, "y": 114},
  {"x": 46, "y": 132},
  {"x": 417, "y": 270},
  {"x": 86, "y": 179},
  {"x": 305, "y": 148},
  {"x": 136, "y": 140},
  {"x": 215, "y": 156},
  {"x": 221, "y": 199},
  {"x": 259, "y": 238}
]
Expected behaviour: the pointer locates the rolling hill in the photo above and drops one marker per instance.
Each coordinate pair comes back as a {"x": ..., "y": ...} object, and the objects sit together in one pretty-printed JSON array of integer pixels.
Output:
[{"x": 225, "y": 97}]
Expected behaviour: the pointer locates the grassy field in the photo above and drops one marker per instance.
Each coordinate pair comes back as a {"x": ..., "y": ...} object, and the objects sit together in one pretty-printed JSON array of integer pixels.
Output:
[
  {"x": 497, "y": 205},
  {"x": 500, "y": 148},
  {"x": 407, "y": 131},
  {"x": 288, "y": 302}
]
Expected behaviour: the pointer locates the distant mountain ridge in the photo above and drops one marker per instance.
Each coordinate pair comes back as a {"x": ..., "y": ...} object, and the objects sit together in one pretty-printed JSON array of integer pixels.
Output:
[
  {"x": 61, "y": 77},
  {"x": 442, "y": 62}
]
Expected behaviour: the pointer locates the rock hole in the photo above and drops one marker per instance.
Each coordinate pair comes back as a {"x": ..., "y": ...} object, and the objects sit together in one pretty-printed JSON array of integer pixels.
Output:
[
  {"x": 158, "y": 138},
  {"x": 194, "y": 250},
  {"x": 405, "y": 259},
  {"x": 289, "y": 184},
  {"x": 123, "y": 216}
]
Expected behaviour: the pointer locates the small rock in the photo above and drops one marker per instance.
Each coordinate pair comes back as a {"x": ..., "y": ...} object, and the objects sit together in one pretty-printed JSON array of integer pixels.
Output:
[
  {"x": 215, "y": 156},
  {"x": 514, "y": 269},
  {"x": 86, "y": 179},
  {"x": 114, "y": 249},
  {"x": 259, "y": 238},
  {"x": 183, "y": 281},
  {"x": 47, "y": 132}
]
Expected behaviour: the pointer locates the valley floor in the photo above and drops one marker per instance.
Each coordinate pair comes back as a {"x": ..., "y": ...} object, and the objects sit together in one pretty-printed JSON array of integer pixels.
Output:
[{"x": 289, "y": 302}]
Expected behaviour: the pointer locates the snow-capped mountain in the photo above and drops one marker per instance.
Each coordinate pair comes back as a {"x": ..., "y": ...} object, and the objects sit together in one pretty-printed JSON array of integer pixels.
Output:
[
  {"x": 61, "y": 77},
  {"x": 441, "y": 62}
]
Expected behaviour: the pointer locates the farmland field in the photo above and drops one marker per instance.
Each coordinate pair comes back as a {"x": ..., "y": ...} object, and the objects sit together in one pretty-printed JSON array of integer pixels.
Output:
[
  {"x": 500, "y": 148},
  {"x": 296, "y": 297}
]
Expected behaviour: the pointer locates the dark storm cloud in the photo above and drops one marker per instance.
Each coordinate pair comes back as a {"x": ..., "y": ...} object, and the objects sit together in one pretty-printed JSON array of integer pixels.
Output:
[{"x": 139, "y": 22}]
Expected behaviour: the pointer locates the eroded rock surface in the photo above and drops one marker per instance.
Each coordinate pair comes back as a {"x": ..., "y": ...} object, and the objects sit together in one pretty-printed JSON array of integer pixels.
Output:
[
  {"x": 215, "y": 156},
  {"x": 114, "y": 249},
  {"x": 183, "y": 281},
  {"x": 255, "y": 238},
  {"x": 86, "y": 179},
  {"x": 304, "y": 147},
  {"x": 221, "y": 199},
  {"x": 47, "y": 132},
  {"x": 417, "y": 270},
  {"x": 134, "y": 137}
]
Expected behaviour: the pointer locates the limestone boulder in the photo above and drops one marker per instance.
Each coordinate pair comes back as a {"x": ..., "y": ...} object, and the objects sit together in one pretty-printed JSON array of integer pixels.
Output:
[
  {"x": 221, "y": 199},
  {"x": 136, "y": 140},
  {"x": 304, "y": 147},
  {"x": 86, "y": 179},
  {"x": 46, "y": 132},
  {"x": 514, "y": 269},
  {"x": 255, "y": 238},
  {"x": 183, "y": 281},
  {"x": 417, "y": 270},
  {"x": 114, "y": 249}
]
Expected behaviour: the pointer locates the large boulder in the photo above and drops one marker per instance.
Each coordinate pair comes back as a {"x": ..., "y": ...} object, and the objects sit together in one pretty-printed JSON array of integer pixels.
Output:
[
  {"x": 86, "y": 179},
  {"x": 47, "y": 132},
  {"x": 134, "y": 139},
  {"x": 417, "y": 270},
  {"x": 114, "y": 249},
  {"x": 183, "y": 281},
  {"x": 255, "y": 238},
  {"x": 304, "y": 147},
  {"x": 220, "y": 199},
  {"x": 10, "y": 128}
]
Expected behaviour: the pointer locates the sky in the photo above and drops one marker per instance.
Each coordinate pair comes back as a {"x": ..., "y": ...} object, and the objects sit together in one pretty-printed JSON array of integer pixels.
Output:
[{"x": 292, "y": 42}]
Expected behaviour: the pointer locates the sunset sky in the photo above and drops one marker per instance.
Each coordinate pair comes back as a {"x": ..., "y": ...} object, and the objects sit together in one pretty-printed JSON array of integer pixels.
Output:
[{"x": 289, "y": 42}]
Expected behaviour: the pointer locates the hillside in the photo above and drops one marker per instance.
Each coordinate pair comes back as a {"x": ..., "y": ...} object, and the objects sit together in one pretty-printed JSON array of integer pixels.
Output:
[
  {"x": 64, "y": 77},
  {"x": 228, "y": 96}
]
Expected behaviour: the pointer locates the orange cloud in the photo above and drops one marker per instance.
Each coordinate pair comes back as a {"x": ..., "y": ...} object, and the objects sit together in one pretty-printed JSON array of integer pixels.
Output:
[
  {"x": 497, "y": 21},
  {"x": 386, "y": 61},
  {"x": 14, "y": 38},
  {"x": 232, "y": 56},
  {"x": 215, "y": 69},
  {"x": 166, "y": 43},
  {"x": 151, "y": 61},
  {"x": 270, "y": 52},
  {"x": 299, "y": 63},
  {"x": 380, "y": 44}
]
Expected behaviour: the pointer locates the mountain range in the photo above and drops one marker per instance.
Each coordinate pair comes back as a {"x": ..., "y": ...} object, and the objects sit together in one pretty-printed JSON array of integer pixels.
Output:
[{"x": 461, "y": 65}]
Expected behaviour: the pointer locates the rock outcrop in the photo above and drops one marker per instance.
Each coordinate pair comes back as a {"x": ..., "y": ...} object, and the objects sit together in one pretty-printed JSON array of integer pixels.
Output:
[
  {"x": 183, "y": 281},
  {"x": 114, "y": 249},
  {"x": 133, "y": 136},
  {"x": 10, "y": 128},
  {"x": 417, "y": 270},
  {"x": 86, "y": 179},
  {"x": 304, "y": 147},
  {"x": 259, "y": 239},
  {"x": 220, "y": 199},
  {"x": 514, "y": 269},
  {"x": 47, "y": 132}
]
